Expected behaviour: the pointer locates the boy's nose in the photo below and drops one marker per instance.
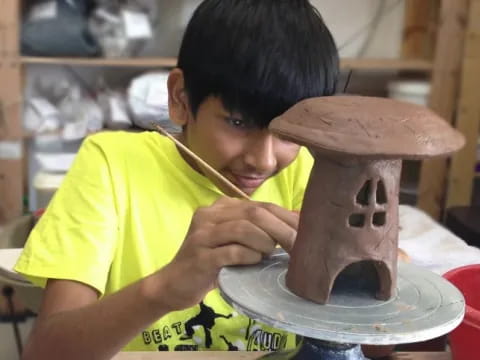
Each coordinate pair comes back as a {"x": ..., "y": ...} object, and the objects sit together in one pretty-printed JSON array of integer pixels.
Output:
[{"x": 261, "y": 154}]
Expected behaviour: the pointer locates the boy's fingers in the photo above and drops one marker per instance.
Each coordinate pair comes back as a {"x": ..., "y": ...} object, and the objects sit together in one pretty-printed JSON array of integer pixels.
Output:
[
  {"x": 235, "y": 254},
  {"x": 244, "y": 233},
  {"x": 235, "y": 221},
  {"x": 290, "y": 217},
  {"x": 275, "y": 227},
  {"x": 226, "y": 209},
  {"x": 280, "y": 224}
]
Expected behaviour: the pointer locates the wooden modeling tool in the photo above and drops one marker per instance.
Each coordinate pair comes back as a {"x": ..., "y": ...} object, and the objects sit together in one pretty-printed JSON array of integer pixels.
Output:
[
  {"x": 402, "y": 255},
  {"x": 221, "y": 179}
]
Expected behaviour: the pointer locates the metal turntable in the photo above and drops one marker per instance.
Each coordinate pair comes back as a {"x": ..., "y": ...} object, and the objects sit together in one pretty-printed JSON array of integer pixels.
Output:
[{"x": 426, "y": 306}]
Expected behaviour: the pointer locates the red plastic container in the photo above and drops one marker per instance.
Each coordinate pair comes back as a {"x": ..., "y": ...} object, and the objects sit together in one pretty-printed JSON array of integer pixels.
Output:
[{"x": 465, "y": 340}]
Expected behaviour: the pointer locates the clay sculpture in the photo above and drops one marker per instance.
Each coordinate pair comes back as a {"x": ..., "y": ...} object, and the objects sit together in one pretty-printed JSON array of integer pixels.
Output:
[{"x": 350, "y": 211}]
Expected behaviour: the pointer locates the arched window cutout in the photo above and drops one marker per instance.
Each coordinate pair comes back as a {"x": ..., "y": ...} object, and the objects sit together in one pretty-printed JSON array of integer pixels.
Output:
[
  {"x": 363, "y": 197},
  {"x": 381, "y": 193},
  {"x": 357, "y": 220},
  {"x": 379, "y": 219}
]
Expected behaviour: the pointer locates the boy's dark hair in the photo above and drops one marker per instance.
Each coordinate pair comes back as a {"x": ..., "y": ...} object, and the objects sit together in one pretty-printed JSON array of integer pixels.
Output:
[{"x": 260, "y": 57}]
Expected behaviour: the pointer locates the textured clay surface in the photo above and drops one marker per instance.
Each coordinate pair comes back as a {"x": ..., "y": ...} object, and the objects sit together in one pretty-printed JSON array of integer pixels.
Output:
[
  {"x": 368, "y": 126},
  {"x": 350, "y": 214},
  {"x": 350, "y": 211}
]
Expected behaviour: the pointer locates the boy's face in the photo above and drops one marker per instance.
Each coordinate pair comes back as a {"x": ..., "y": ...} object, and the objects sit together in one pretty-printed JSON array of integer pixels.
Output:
[{"x": 240, "y": 151}]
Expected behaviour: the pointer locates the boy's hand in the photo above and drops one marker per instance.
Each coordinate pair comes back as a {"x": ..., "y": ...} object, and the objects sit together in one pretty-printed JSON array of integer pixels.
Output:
[{"x": 230, "y": 232}]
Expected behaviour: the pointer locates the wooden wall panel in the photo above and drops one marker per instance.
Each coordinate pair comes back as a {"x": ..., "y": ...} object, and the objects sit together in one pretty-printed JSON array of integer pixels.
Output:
[
  {"x": 11, "y": 189},
  {"x": 443, "y": 100},
  {"x": 10, "y": 71},
  {"x": 462, "y": 171},
  {"x": 11, "y": 163},
  {"x": 419, "y": 34}
]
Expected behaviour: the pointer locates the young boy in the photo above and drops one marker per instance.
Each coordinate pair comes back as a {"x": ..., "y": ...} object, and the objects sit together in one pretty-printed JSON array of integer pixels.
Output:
[{"x": 130, "y": 248}]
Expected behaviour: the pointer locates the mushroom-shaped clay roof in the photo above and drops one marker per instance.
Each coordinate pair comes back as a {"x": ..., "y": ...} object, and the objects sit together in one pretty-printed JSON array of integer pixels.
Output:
[{"x": 368, "y": 126}]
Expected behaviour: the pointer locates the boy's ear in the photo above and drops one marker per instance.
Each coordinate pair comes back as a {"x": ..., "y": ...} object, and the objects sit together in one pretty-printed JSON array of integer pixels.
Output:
[{"x": 178, "y": 107}]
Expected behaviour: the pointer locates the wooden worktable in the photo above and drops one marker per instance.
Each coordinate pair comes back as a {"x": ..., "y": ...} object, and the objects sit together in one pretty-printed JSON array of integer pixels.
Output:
[{"x": 236, "y": 355}]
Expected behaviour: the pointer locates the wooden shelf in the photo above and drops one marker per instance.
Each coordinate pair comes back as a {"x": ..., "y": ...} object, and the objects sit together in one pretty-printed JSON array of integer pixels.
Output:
[
  {"x": 169, "y": 62},
  {"x": 387, "y": 64},
  {"x": 165, "y": 62}
]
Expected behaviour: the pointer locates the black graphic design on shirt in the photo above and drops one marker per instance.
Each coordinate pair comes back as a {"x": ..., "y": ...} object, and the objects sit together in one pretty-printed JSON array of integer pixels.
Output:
[
  {"x": 157, "y": 336},
  {"x": 261, "y": 340},
  {"x": 162, "y": 347},
  {"x": 205, "y": 318},
  {"x": 250, "y": 324},
  {"x": 186, "y": 347},
  {"x": 170, "y": 337},
  {"x": 231, "y": 347}
]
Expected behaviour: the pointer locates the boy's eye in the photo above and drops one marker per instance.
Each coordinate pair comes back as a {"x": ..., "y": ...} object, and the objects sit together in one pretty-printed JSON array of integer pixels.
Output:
[{"x": 239, "y": 123}]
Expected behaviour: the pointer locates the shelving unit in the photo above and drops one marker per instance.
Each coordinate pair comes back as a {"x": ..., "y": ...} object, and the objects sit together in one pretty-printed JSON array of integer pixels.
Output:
[
  {"x": 12, "y": 163},
  {"x": 414, "y": 65},
  {"x": 163, "y": 62},
  {"x": 443, "y": 61}
]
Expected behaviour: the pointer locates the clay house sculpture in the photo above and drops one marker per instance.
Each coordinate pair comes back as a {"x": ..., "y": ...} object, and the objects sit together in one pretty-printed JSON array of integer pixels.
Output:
[{"x": 350, "y": 211}]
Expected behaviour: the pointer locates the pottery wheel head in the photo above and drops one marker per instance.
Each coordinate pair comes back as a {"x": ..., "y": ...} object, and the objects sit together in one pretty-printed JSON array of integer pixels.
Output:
[{"x": 426, "y": 306}]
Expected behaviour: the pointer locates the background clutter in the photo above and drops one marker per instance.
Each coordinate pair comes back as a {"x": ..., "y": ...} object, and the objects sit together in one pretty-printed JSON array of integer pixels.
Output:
[{"x": 108, "y": 28}]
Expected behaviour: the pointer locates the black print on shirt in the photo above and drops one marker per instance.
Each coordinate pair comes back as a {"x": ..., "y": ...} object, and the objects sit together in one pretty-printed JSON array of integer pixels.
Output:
[
  {"x": 186, "y": 347},
  {"x": 231, "y": 347},
  {"x": 157, "y": 336},
  {"x": 205, "y": 318},
  {"x": 162, "y": 347},
  {"x": 256, "y": 339},
  {"x": 261, "y": 340}
]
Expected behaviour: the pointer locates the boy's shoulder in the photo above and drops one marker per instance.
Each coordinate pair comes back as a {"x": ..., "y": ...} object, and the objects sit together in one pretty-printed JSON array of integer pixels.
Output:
[
  {"x": 127, "y": 150},
  {"x": 119, "y": 148},
  {"x": 126, "y": 143},
  {"x": 118, "y": 138}
]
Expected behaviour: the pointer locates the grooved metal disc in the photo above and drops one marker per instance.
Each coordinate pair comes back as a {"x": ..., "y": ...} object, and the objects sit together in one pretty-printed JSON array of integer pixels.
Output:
[{"x": 426, "y": 306}]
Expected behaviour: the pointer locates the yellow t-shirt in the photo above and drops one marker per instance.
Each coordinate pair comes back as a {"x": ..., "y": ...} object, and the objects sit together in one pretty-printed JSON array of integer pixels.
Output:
[{"x": 122, "y": 213}]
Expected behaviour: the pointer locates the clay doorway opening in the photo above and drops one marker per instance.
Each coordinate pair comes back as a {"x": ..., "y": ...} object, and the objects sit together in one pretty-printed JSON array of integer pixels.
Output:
[{"x": 361, "y": 278}]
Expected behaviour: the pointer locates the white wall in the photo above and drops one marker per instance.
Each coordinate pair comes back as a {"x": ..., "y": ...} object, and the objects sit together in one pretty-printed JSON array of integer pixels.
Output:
[
  {"x": 344, "y": 18},
  {"x": 172, "y": 18}
]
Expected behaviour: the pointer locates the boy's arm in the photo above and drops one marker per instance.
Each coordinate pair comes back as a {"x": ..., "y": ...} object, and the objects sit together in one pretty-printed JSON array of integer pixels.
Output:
[{"x": 74, "y": 324}]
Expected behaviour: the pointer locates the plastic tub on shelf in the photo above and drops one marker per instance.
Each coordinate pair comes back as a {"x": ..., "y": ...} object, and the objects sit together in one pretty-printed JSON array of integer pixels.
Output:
[{"x": 416, "y": 92}]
